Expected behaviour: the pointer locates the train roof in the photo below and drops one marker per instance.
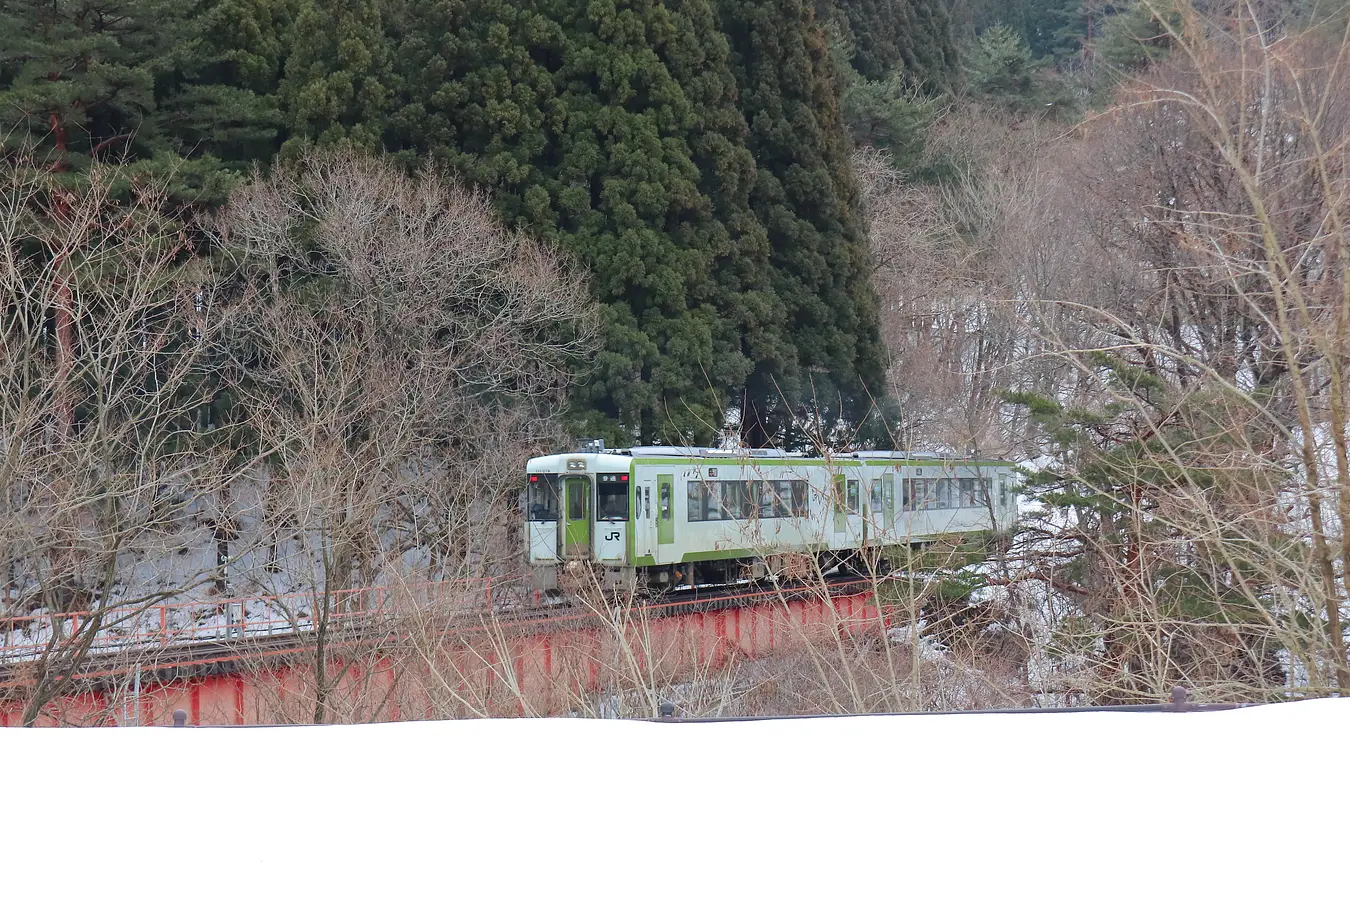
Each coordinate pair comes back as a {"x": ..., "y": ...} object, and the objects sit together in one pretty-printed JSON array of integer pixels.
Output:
[{"x": 620, "y": 459}]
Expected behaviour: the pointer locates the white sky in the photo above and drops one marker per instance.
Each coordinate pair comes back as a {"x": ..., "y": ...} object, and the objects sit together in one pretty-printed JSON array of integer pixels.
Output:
[{"x": 1249, "y": 803}]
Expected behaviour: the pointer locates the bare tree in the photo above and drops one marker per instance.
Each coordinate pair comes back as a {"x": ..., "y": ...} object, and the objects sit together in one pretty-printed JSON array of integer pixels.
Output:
[
  {"x": 1199, "y": 489},
  {"x": 402, "y": 355},
  {"x": 105, "y": 366}
]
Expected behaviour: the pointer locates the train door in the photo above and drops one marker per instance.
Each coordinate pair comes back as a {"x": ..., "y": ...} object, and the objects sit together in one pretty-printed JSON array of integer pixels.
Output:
[
  {"x": 880, "y": 518},
  {"x": 644, "y": 519},
  {"x": 837, "y": 501},
  {"x": 576, "y": 517},
  {"x": 665, "y": 509},
  {"x": 857, "y": 523}
]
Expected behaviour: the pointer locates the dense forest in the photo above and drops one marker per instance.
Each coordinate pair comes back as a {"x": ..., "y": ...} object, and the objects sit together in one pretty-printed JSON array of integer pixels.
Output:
[
  {"x": 313, "y": 278},
  {"x": 690, "y": 156}
]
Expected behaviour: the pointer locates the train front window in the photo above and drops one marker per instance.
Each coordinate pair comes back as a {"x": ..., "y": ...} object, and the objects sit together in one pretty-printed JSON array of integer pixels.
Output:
[
  {"x": 543, "y": 498},
  {"x": 611, "y": 498}
]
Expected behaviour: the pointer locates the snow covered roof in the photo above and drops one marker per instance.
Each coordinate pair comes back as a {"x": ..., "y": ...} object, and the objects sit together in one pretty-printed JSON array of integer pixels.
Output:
[{"x": 1096, "y": 804}]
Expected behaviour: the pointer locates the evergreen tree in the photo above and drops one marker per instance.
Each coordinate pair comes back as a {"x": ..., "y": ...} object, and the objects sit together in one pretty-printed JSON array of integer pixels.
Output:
[
  {"x": 612, "y": 130},
  {"x": 114, "y": 80},
  {"x": 1057, "y": 29},
  {"x": 228, "y": 108},
  {"x": 1135, "y": 36},
  {"x": 889, "y": 115},
  {"x": 1001, "y": 69},
  {"x": 889, "y": 35},
  {"x": 805, "y": 197},
  {"x": 336, "y": 87}
]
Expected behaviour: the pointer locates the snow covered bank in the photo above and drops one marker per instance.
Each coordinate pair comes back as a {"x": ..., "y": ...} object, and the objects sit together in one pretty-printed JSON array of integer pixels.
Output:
[{"x": 1232, "y": 804}]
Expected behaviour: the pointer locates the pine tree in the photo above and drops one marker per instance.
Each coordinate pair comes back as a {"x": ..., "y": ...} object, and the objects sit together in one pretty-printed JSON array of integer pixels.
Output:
[
  {"x": 226, "y": 106},
  {"x": 120, "y": 81}
]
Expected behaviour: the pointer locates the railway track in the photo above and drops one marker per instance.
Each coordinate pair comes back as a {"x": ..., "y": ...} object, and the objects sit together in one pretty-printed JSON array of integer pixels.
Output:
[{"x": 509, "y": 612}]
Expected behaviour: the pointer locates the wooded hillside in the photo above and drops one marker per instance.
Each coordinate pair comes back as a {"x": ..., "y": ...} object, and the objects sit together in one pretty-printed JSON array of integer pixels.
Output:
[{"x": 689, "y": 155}]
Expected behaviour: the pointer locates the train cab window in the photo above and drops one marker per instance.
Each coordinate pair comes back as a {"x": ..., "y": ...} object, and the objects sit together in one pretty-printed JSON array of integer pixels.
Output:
[
  {"x": 611, "y": 498},
  {"x": 853, "y": 498},
  {"x": 543, "y": 498}
]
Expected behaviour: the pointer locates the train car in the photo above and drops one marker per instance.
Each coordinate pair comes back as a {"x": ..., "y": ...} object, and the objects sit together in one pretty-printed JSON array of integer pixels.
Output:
[{"x": 668, "y": 517}]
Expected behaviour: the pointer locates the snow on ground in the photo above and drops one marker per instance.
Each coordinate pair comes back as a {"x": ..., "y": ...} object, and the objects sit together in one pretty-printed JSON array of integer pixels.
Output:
[{"x": 1100, "y": 804}]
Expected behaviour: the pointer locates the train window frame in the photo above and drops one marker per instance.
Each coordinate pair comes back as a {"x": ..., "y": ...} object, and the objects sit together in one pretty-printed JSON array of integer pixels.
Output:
[
  {"x": 734, "y": 498},
  {"x": 854, "y": 490},
  {"x": 612, "y": 499},
  {"x": 543, "y": 487},
  {"x": 741, "y": 499},
  {"x": 576, "y": 488},
  {"x": 694, "y": 502},
  {"x": 767, "y": 503},
  {"x": 876, "y": 495}
]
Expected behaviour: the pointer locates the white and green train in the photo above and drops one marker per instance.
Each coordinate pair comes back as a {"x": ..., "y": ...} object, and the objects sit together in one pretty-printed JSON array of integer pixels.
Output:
[{"x": 670, "y": 517}]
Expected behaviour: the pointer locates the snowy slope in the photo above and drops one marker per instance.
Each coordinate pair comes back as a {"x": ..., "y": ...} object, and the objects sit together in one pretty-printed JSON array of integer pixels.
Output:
[{"x": 1229, "y": 804}]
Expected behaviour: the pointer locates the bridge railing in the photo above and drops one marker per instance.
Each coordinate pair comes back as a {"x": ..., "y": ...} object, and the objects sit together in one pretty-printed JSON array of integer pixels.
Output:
[{"x": 144, "y": 626}]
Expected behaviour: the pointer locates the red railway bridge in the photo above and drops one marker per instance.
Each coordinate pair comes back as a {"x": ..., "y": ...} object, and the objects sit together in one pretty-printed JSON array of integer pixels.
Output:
[{"x": 429, "y": 651}]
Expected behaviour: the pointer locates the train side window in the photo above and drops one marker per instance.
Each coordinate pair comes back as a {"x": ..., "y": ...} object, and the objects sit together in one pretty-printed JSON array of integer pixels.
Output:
[
  {"x": 694, "y": 502},
  {"x": 876, "y": 497},
  {"x": 766, "y": 499},
  {"x": 904, "y": 494},
  {"x": 647, "y": 501},
  {"x": 853, "y": 499},
  {"x": 665, "y": 501},
  {"x": 543, "y": 498},
  {"x": 800, "y": 506},
  {"x": 735, "y": 497}
]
